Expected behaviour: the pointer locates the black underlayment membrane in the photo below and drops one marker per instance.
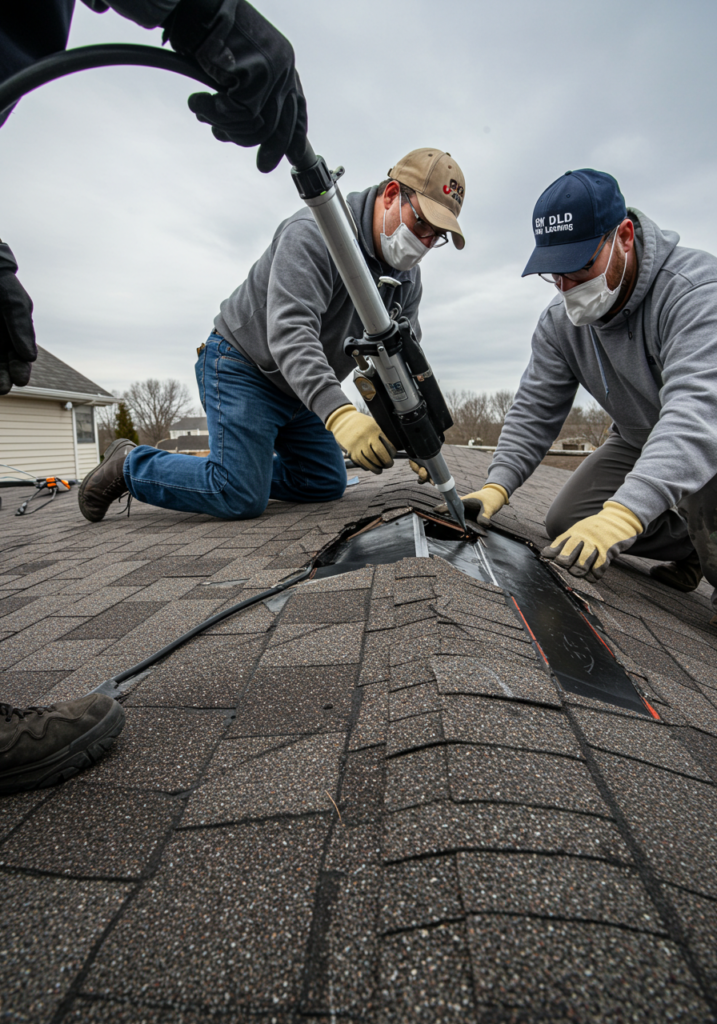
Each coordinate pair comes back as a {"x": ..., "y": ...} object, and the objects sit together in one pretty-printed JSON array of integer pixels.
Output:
[{"x": 566, "y": 635}]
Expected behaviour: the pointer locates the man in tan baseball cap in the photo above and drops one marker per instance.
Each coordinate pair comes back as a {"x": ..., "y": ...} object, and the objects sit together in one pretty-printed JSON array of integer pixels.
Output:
[{"x": 270, "y": 372}]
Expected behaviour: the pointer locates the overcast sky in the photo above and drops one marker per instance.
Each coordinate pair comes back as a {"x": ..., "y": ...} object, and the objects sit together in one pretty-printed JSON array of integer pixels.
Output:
[{"x": 131, "y": 222}]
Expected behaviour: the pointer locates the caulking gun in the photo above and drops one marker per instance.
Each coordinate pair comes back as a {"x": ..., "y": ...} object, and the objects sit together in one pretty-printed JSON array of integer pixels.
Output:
[{"x": 393, "y": 374}]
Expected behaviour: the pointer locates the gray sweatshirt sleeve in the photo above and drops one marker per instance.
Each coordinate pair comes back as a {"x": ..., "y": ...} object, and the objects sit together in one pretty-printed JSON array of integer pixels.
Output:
[
  {"x": 544, "y": 399},
  {"x": 299, "y": 292},
  {"x": 680, "y": 455}
]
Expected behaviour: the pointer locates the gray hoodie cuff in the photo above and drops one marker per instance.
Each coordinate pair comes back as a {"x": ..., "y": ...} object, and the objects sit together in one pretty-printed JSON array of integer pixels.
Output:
[
  {"x": 641, "y": 498},
  {"x": 505, "y": 476},
  {"x": 328, "y": 401}
]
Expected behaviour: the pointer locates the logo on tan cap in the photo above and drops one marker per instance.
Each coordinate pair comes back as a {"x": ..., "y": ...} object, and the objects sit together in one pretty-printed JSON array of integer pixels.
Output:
[{"x": 436, "y": 177}]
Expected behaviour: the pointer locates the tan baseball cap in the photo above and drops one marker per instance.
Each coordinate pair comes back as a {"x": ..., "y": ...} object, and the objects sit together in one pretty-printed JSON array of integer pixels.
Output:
[{"x": 439, "y": 181}]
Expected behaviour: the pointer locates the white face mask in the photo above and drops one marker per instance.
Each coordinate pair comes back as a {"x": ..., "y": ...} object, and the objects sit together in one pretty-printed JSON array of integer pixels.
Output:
[
  {"x": 401, "y": 250},
  {"x": 591, "y": 300}
]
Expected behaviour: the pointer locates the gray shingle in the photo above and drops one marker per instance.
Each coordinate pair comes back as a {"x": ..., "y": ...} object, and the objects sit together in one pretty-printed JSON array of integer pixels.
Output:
[
  {"x": 698, "y": 918},
  {"x": 163, "y": 749},
  {"x": 420, "y": 893},
  {"x": 52, "y": 373},
  {"x": 344, "y": 945},
  {"x": 445, "y": 827},
  {"x": 498, "y": 678},
  {"x": 264, "y": 718},
  {"x": 320, "y": 645},
  {"x": 419, "y": 777},
  {"x": 561, "y": 971},
  {"x": 413, "y": 733},
  {"x": 295, "y": 779},
  {"x": 297, "y": 699},
  {"x": 678, "y": 831},
  {"x": 524, "y": 777},
  {"x": 425, "y": 976},
  {"x": 93, "y": 832},
  {"x": 223, "y": 925},
  {"x": 507, "y": 723},
  {"x": 371, "y": 727},
  {"x": 638, "y": 738},
  {"x": 40, "y": 962},
  {"x": 560, "y": 887}
]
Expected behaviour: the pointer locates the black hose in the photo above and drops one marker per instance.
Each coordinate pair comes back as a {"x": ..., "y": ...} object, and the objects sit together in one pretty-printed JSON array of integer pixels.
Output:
[
  {"x": 83, "y": 58},
  {"x": 113, "y": 686}
]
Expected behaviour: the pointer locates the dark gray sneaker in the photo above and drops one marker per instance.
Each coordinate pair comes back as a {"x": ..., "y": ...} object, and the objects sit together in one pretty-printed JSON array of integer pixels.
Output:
[
  {"x": 684, "y": 575},
  {"x": 105, "y": 483},
  {"x": 41, "y": 746}
]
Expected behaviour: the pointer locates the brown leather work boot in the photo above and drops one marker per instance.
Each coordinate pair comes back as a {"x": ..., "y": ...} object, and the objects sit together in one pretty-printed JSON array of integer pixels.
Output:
[
  {"x": 41, "y": 746},
  {"x": 684, "y": 575},
  {"x": 105, "y": 483}
]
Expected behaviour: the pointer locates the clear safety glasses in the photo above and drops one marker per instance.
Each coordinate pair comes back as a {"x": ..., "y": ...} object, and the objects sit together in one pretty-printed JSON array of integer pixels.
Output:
[{"x": 422, "y": 229}]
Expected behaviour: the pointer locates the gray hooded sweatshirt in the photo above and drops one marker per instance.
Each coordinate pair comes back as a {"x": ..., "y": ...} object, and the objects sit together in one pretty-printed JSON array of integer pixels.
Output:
[
  {"x": 653, "y": 368},
  {"x": 291, "y": 316}
]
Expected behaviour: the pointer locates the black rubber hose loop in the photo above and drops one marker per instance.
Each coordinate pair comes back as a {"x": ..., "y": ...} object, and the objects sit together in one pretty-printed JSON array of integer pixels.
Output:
[{"x": 84, "y": 58}]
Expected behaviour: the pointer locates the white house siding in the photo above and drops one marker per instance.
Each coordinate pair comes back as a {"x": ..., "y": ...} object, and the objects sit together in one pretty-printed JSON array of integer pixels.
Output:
[
  {"x": 88, "y": 457},
  {"x": 37, "y": 435}
]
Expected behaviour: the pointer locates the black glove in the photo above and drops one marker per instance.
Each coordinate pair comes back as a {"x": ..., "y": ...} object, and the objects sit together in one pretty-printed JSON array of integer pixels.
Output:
[
  {"x": 261, "y": 102},
  {"x": 17, "y": 334}
]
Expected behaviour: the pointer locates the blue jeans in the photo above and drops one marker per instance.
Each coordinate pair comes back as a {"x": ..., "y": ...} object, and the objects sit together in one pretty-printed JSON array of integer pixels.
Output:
[{"x": 263, "y": 444}]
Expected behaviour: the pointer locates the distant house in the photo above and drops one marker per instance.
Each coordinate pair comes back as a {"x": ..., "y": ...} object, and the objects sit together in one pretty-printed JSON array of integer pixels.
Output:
[
  {"x": 49, "y": 428},
  {"x": 186, "y": 444},
  {"x": 194, "y": 426}
]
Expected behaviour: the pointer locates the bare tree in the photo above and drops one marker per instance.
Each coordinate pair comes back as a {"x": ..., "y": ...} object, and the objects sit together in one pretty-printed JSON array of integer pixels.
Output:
[
  {"x": 500, "y": 403},
  {"x": 596, "y": 424},
  {"x": 471, "y": 414},
  {"x": 574, "y": 425},
  {"x": 155, "y": 405}
]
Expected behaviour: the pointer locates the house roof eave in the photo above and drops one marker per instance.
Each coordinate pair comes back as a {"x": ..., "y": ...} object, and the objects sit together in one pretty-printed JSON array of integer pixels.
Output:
[{"x": 59, "y": 394}]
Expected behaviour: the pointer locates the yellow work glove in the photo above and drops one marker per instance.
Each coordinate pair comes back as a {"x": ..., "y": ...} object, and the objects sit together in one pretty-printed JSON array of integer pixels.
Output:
[
  {"x": 423, "y": 477},
  {"x": 360, "y": 436},
  {"x": 587, "y": 548},
  {"x": 481, "y": 505}
]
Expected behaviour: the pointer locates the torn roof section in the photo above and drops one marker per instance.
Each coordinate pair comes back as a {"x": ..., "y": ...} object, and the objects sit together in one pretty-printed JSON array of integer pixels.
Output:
[
  {"x": 565, "y": 634},
  {"x": 372, "y": 802}
]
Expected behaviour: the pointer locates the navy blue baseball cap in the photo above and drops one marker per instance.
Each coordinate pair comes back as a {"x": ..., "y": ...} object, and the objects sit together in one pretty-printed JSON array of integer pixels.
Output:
[{"x": 571, "y": 217}]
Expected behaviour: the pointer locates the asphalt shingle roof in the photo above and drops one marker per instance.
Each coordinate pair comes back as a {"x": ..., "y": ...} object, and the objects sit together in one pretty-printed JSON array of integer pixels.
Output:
[
  {"x": 50, "y": 372},
  {"x": 366, "y": 803}
]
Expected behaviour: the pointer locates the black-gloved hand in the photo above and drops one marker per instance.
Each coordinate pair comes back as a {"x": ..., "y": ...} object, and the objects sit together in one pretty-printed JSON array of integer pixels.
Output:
[
  {"x": 17, "y": 334},
  {"x": 261, "y": 102}
]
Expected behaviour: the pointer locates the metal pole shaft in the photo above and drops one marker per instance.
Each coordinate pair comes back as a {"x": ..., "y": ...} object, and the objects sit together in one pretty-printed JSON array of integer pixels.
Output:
[{"x": 332, "y": 217}]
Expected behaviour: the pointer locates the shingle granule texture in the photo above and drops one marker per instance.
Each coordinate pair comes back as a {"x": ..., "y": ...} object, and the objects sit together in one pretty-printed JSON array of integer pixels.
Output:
[
  {"x": 293, "y": 779},
  {"x": 242, "y": 943},
  {"x": 92, "y": 831},
  {"x": 563, "y": 971},
  {"x": 40, "y": 954},
  {"x": 368, "y": 802}
]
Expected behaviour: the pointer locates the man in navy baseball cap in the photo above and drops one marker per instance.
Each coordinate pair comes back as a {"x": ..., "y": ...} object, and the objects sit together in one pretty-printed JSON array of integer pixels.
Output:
[
  {"x": 633, "y": 319},
  {"x": 571, "y": 219}
]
